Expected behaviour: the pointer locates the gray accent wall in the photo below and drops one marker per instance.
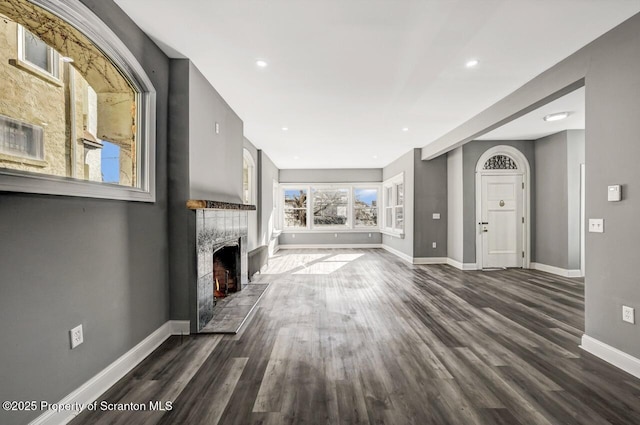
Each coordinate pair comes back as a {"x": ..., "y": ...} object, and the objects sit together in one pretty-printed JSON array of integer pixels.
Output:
[
  {"x": 338, "y": 175},
  {"x": 202, "y": 165},
  {"x": 67, "y": 261},
  {"x": 557, "y": 231},
  {"x": 429, "y": 197},
  {"x": 215, "y": 160},
  {"x": 455, "y": 211},
  {"x": 575, "y": 157},
  {"x": 471, "y": 153},
  {"x": 612, "y": 151},
  {"x": 331, "y": 238},
  {"x": 405, "y": 164}
]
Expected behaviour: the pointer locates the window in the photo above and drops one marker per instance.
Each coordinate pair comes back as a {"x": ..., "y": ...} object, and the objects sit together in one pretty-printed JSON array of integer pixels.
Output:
[
  {"x": 37, "y": 53},
  {"x": 343, "y": 207},
  {"x": 330, "y": 207},
  {"x": 74, "y": 121},
  {"x": 365, "y": 207},
  {"x": 20, "y": 139},
  {"x": 248, "y": 172},
  {"x": 394, "y": 205},
  {"x": 295, "y": 208}
]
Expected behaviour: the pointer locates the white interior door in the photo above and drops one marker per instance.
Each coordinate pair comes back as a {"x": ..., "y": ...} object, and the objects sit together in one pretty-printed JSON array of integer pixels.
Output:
[{"x": 502, "y": 221}]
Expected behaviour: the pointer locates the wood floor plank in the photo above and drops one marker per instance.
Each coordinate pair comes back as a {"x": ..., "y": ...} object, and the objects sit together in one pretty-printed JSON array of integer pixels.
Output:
[{"x": 349, "y": 336}]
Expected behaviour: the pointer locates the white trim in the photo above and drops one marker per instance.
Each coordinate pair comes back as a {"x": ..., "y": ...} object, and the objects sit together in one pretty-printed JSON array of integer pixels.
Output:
[
  {"x": 330, "y": 246},
  {"x": 430, "y": 260},
  {"x": 611, "y": 355},
  {"x": 397, "y": 253},
  {"x": 461, "y": 266},
  {"x": 525, "y": 170},
  {"x": 83, "y": 19},
  {"x": 105, "y": 379},
  {"x": 555, "y": 270}
]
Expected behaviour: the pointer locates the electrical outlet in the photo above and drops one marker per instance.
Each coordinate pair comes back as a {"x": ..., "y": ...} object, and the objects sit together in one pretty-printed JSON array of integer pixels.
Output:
[
  {"x": 76, "y": 336},
  {"x": 293, "y": 235},
  {"x": 596, "y": 225},
  {"x": 369, "y": 234},
  {"x": 433, "y": 245},
  {"x": 335, "y": 235},
  {"x": 628, "y": 314}
]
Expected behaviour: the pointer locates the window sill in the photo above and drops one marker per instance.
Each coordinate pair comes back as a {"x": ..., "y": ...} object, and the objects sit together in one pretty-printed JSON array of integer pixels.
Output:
[
  {"x": 399, "y": 235},
  {"x": 334, "y": 230},
  {"x": 23, "y": 160},
  {"x": 35, "y": 71}
]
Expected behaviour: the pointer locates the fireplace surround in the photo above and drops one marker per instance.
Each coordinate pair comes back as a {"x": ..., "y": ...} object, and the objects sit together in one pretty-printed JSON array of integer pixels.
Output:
[{"x": 221, "y": 248}]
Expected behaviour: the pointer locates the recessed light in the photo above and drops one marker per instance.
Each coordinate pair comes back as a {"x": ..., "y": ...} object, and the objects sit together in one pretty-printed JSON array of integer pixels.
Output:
[
  {"x": 471, "y": 63},
  {"x": 375, "y": 156},
  {"x": 556, "y": 117},
  {"x": 405, "y": 129},
  {"x": 285, "y": 128},
  {"x": 67, "y": 59},
  {"x": 262, "y": 64},
  {"x": 296, "y": 157}
]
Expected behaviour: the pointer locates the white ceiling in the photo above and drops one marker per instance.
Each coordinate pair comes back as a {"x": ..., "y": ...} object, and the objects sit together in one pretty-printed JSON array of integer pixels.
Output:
[
  {"x": 532, "y": 126},
  {"x": 346, "y": 76}
]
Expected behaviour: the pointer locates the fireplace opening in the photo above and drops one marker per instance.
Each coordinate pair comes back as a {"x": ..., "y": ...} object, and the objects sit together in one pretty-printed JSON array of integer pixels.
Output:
[{"x": 226, "y": 270}]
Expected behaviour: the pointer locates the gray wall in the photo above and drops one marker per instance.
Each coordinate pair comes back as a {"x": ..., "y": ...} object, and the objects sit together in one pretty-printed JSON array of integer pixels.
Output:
[
  {"x": 557, "y": 216},
  {"x": 471, "y": 153},
  {"x": 342, "y": 238},
  {"x": 575, "y": 157},
  {"x": 202, "y": 165},
  {"x": 429, "y": 196},
  {"x": 455, "y": 212},
  {"x": 551, "y": 214},
  {"x": 67, "y": 261},
  {"x": 215, "y": 160},
  {"x": 267, "y": 173},
  {"x": 405, "y": 164},
  {"x": 338, "y": 175},
  {"x": 612, "y": 152}
]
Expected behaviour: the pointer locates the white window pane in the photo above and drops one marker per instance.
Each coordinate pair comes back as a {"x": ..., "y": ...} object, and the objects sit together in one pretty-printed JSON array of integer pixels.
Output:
[
  {"x": 389, "y": 218},
  {"x": 330, "y": 207},
  {"x": 400, "y": 194},
  {"x": 399, "y": 218},
  {"x": 365, "y": 207},
  {"x": 295, "y": 208}
]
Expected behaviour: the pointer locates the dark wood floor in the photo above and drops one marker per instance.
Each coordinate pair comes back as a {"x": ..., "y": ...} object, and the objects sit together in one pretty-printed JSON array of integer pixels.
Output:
[{"x": 359, "y": 337}]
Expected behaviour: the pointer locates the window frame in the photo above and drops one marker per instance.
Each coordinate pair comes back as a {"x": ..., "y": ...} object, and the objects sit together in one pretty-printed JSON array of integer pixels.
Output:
[
  {"x": 251, "y": 174},
  {"x": 53, "y": 57},
  {"x": 391, "y": 206},
  {"x": 84, "y": 20},
  {"x": 310, "y": 228}
]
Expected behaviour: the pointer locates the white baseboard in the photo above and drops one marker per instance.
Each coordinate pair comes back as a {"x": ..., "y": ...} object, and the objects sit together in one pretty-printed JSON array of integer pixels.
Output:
[
  {"x": 612, "y": 355},
  {"x": 398, "y": 254},
  {"x": 429, "y": 260},
  {"x": 461, "y": 266},
  {"x": 555, "y": 270},
  {"x": 331, "y": 246},
  {"x": 105, "y": 379}
]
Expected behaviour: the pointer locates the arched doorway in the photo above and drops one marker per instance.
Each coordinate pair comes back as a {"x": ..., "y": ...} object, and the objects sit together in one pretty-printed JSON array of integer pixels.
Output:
[{"x": 503, "y": 209}]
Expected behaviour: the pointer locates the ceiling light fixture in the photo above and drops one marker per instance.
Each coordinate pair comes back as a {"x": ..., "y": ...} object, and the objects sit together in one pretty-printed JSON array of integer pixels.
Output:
[
  {"x": 375, "y": 156},
  {"x": 471, "y": 63},
  {"x": 405, "y": 129},
  {"x": 262, "y": 64},
  {"x": 285, "y": 128},
  {"x": 296, "y": 157},
  {"x": 556, "y": 117}
]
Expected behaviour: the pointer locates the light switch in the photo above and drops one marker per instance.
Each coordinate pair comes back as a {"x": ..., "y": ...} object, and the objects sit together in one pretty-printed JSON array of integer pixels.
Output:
[
  {"x": 596, "y": 225},
  {"x": 436, "y": 216},
  {"x": 614, "y": 194}
]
